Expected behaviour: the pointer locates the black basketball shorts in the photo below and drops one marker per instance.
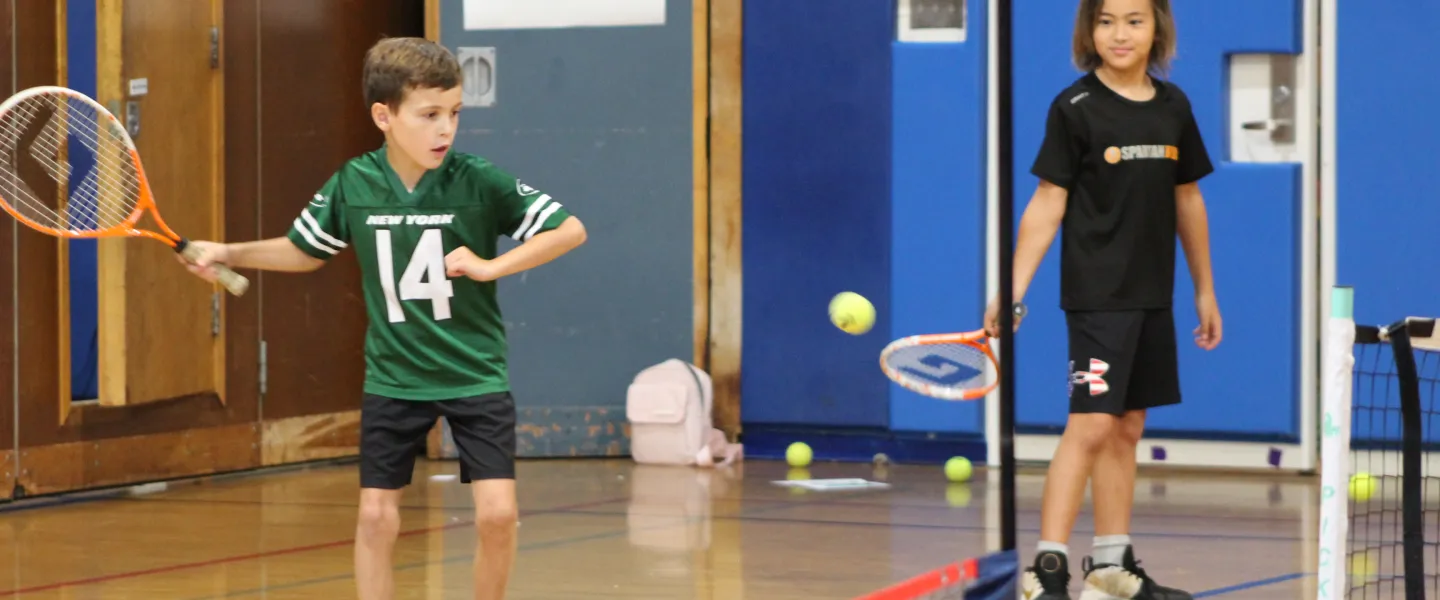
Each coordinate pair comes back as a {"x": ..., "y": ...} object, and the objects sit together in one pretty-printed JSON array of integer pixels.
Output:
[
  {"x": 1122, "y": 361},
  {"x": 393, "y": 434}
]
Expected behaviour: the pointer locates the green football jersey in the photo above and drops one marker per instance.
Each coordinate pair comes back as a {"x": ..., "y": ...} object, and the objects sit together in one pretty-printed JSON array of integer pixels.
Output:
[{"x": 430, "y": 337}]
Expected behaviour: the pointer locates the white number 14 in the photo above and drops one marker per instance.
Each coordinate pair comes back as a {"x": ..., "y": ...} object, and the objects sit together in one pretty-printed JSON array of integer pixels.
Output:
[{"x": 423, "y": 279}]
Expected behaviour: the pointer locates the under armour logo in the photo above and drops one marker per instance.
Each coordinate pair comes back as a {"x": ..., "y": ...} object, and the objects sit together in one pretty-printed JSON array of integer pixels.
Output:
[{"x": 1093, "y": 378}]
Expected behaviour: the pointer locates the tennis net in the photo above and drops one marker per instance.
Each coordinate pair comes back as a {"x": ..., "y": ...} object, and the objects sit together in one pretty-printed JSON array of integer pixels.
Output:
[{"x": 1380, "y": 496}]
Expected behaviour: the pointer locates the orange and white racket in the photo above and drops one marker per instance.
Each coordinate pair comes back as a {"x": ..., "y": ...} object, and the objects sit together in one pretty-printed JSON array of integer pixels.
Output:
[
  {"x": 947, "y": 366},
  {"x": 68, "y": 168}
]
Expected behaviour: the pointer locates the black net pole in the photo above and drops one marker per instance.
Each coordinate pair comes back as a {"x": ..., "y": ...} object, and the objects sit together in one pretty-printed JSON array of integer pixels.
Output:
[
  {"x": 1006, "y": 218},
  {"x": 1411, "y": 479}
]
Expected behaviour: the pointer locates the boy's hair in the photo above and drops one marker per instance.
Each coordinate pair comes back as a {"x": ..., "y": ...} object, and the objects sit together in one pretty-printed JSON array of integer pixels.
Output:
[
  {"x": 396, "y": 66},
  {"x": 1088, "y": 59}
]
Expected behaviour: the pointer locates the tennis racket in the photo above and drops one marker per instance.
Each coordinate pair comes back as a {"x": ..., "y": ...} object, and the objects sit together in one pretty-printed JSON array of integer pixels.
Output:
[
  {"x": 68, "y": 168},
  {"x": 947, "y": 366}
]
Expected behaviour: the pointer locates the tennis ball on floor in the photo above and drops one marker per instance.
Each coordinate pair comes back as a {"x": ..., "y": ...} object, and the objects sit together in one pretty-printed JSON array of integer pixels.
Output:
[
  {"x": 852, "y": 313},
  {"x": 958, "y": 469},
  {"x": 1362, "y": 486},
  {"x": 798, "y": 454}
]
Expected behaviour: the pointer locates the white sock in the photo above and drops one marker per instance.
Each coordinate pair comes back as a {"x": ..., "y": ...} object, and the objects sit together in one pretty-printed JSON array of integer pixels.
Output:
[
  {"x": 1110, "y": 549},
  {"x": 1053, "y": 547}
]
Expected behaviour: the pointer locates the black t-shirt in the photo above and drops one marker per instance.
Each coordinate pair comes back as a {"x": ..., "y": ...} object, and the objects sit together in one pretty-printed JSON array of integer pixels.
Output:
[{"x": 1120, "y": 160}]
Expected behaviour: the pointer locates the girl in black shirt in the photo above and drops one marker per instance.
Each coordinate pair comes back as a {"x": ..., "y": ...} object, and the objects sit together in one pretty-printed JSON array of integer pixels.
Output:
[{"x": 1118, "y": 172}]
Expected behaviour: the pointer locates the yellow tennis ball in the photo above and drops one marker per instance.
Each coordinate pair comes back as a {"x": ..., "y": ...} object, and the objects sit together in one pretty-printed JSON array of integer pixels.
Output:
[
  {"x": 958, "y": 469},
  {"x": 798, "y": 454},
  {"x": 1362, "y": 486},
  {"x": 852, "y": 313}
]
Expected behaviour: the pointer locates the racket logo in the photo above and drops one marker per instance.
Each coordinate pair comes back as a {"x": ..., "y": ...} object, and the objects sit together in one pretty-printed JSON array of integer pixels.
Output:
[
  {"x": 941, "y": 370},
  {"x": 1093, "y": 379}
]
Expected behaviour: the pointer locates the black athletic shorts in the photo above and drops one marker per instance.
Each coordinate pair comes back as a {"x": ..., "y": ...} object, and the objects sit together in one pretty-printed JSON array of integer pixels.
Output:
[
  {"x": 393, "y": 434},
  {"x": 1122, "y": 361}
]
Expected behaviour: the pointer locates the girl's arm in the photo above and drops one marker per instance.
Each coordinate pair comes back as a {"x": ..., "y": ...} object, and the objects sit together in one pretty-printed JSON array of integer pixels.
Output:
[
  {"x": 1038, "y": 226},
  {"x": 1195, "y": 238},
  {"x": 1194, "y": 229}
]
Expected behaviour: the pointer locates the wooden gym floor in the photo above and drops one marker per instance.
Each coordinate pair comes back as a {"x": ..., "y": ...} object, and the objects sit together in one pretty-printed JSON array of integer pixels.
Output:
[{"x": 611, "y": 529}]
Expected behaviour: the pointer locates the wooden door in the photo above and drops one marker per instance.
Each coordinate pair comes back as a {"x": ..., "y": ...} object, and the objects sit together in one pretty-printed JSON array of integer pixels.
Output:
[{"x": 158, "y": 332}]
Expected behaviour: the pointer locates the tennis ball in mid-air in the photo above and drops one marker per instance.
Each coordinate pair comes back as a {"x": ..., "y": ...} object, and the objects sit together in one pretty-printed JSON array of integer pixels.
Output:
[
  {"x": 798, "y": 454},
  {"x": 958, "y": 469},
  {"x": 1362, "y": 486},
  {"x": 852, "y": 313}
]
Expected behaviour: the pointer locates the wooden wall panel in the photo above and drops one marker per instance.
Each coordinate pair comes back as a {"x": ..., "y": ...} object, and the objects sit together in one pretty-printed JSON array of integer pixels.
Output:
[
  {"x": 36, "y": 254},
  {"x": 700, "y": 149},
  {"x": 726, "y": 30},
  {"x": 7, "y": 289},
  {"x": 121, "y": 460},
  {"x": 242, "y": 206},
  {"x": 314, "y": 324}
]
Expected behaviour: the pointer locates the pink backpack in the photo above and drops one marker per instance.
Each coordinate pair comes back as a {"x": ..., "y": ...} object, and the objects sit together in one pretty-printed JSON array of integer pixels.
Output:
[{"x": 669, "y": 406}]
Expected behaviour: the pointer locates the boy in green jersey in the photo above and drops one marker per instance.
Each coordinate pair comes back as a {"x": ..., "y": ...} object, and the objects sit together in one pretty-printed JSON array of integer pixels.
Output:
[{"x": 424, "y": 223}]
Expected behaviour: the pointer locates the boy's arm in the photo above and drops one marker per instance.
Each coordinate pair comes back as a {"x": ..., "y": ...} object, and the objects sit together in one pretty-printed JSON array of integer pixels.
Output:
[
  {"x": 275, "y": 254},
  {"x": 318, "y": 233},
  {"x": 545, "y": 229},
  {"x": 542, "y": 248}
]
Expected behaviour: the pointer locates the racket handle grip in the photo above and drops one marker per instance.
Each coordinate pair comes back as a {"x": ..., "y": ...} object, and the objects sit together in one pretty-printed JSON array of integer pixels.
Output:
[{"x": 234, "y": 282}]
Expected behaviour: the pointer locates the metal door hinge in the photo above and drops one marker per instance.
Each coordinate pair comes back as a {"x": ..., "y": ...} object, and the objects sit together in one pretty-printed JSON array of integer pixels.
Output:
[
  {"x": 214, "y": 47},
  {"x": 215, "y": 314}
]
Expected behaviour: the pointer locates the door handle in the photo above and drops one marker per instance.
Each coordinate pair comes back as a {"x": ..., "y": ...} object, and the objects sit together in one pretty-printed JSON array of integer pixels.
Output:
[{"x": 1267, "y": 124}]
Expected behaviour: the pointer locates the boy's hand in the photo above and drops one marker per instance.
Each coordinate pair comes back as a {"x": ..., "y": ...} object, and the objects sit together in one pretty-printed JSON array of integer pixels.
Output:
[
  {"x": 462, "y": 262},
  {"x": 209, "y": 253},
  {"x": 1208, "y": 334}
]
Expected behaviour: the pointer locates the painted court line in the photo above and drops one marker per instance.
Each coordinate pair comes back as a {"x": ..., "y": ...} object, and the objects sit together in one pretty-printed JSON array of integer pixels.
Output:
[
  {"x": 279, "y": 552},
  {"x": 948, "y": 527},
  {"x": 1250, "y": 585}
]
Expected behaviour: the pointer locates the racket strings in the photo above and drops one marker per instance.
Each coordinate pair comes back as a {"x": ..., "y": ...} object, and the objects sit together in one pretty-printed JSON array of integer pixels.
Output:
[
  {"x": 83, "y": 210},
  {"x": 84, "y": 200},
  {"x": 949, "y": 365},
  {"x": 108, "y": 193}
]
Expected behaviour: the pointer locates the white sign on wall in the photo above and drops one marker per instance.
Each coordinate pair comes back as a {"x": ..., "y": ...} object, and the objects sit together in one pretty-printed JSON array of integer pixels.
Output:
[{"x": 551, "y": 14}]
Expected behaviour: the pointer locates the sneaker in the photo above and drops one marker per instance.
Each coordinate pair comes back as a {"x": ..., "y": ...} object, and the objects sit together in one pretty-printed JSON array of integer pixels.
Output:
[
  {"x": 1126, "y": 581},
  {"x": 1047, "y": 579}
]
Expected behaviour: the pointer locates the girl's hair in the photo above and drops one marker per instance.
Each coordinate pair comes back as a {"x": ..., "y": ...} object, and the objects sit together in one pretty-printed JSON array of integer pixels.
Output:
[{"x": 1088, "y": 59}]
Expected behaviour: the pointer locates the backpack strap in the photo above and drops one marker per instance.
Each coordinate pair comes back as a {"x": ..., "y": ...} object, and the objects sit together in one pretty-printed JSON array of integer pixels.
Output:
[{"x": 699, "y": 387}]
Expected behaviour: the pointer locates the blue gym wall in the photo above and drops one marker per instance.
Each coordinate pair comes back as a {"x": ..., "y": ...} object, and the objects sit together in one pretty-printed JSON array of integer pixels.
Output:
[
  {"x": 1384, "y": 159},
  {"x": 84, "y": 302},
  {"x": 1254, "y": 218},
  {"x": 601, "y": 118},
  {"x": 864, "y": 171},
  {"x": 938, "y": 209},
  {"x": 1385, "y": 213}
]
